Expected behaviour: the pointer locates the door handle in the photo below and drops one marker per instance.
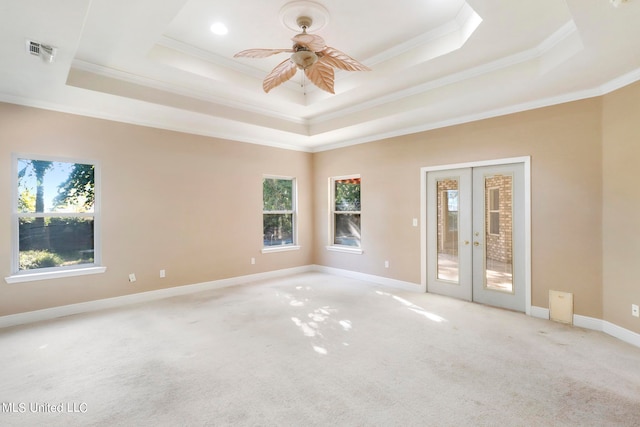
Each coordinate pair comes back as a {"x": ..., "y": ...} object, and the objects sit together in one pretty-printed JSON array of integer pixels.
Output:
[
  {"x": 476, "y": 243},
  {"x": 466, "y": 242}
]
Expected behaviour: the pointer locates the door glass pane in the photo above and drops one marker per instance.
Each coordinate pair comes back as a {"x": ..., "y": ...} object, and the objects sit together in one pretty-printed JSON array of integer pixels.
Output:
[
  {"x": 448, "y": 268},
  {"x": 498, "y": 204}
]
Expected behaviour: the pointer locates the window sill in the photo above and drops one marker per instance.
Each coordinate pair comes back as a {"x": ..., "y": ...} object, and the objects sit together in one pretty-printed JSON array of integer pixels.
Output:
[
  {"x": 283, "y": 248},
  {"x": 345, "y": 249},
  {"x": 32, "y": 277}
]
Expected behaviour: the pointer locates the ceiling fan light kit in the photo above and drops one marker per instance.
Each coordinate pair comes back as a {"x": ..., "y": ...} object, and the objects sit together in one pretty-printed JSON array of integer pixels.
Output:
[
  {"x": 304, "y": 59},
  {"x": 309, "y": 52}
]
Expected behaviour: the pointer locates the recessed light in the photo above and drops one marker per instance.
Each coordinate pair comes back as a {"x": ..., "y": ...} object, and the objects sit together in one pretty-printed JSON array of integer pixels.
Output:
[{"x": 219, "y": 28}]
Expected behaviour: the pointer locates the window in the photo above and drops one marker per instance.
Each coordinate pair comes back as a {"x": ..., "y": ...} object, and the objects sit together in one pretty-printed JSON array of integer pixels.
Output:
[
  {"x": 55, "y": 217},
  {"x": 345, "y": 212},
  {"x": 278, "y": 213},
  {"x": 494, "y": 211}
]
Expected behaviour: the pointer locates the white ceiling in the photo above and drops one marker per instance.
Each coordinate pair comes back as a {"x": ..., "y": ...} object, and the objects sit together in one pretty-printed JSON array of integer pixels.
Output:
[{"x": 434, "y": 63}]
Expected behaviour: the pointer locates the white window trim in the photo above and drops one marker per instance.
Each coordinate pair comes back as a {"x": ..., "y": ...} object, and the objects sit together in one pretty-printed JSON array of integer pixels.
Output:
[
  {"x": 69, "y": 272},
  {"x": 294, "y": 205},
  {"x": 332, "y": 225},
  {"x": 345, "y": 249},
  {"x": 281, "y": 248},
  {"x": 18, "y": 276}
]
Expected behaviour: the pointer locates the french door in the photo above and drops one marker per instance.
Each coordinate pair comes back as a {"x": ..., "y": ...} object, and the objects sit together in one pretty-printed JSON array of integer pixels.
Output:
[{"x": 476, "y": 233}]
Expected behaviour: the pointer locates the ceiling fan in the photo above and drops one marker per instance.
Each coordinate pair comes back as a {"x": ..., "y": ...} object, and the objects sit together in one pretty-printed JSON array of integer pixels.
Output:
[{"x": 309, "y": 53}]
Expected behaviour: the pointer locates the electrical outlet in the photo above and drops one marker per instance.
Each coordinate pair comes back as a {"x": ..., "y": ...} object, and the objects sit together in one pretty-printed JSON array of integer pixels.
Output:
[
  {"x": 253, "y": 261},
  {"x": 132, "y": 277},
  {"x": 163, "y": 274},
  {"x": 635, "y": 310},
  {"x": 415, "y": 222},
  {"x": 386, "y": 264}
]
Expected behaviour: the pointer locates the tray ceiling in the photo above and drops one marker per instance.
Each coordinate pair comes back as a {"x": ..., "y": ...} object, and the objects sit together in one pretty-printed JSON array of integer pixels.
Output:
[{"x": 434, "y": 63}]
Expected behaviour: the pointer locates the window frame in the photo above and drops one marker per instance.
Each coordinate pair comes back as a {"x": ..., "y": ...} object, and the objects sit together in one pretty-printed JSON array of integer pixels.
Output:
[
  {"x": 294, "y": 246},
  {"x": 96, "y": 267},
  {"x": 491, "y": 212},
  {"x": 332, "y": 246}
]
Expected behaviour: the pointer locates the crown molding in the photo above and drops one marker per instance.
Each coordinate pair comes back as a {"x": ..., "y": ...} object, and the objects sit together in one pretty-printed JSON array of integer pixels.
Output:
[
  {"x": 607, "y": 87},
  {"x": 156, "y": 124},
  {"x": 567, "y": 30},
  {"x": 160, "y": 85},
  {"x": 601, "y": 90}
]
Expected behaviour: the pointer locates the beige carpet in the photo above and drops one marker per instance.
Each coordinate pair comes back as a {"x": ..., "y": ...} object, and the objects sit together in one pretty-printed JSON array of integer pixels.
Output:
[{"x": 314, "y": 350}]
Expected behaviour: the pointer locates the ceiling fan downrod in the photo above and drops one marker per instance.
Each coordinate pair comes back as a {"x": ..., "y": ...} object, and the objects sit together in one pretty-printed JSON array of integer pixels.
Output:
[{"x": 304, "y": 22}]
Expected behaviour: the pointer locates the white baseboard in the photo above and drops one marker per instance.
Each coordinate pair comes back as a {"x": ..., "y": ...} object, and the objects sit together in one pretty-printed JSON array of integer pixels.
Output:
[
  {"x": 592, "y": 323},
  {"x": 84, "y": 307},
  {"x": 608, "y": 328},
  {"x": 621, "y": 333},
  {"x": 385, "y": 281},
  {"x": 586, "y": 322},
  {"x": 540, "y": 312}
]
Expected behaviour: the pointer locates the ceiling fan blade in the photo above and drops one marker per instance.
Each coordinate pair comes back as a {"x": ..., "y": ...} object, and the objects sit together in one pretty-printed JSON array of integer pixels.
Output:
[
  {"x": 283, "y": 72},
  {"x": 260, "y": 53},
  {"x": 341, "y": 60},
  {"x": 321, "y": 74},
  {"x": 312, "y": 42}
]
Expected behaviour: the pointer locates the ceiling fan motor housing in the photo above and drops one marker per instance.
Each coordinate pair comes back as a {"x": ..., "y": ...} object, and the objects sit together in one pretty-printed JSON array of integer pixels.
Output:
[{"x": 304, "y": 22}]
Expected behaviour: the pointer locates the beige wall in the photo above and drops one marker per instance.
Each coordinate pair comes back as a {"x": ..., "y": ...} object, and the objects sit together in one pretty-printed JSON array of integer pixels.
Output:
[
  {"x": 191, "y": 204},
  {"x": 621, "y": 206},
  {"x": 564, "y": 143},
  {"x": 188, "y": 204}
]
